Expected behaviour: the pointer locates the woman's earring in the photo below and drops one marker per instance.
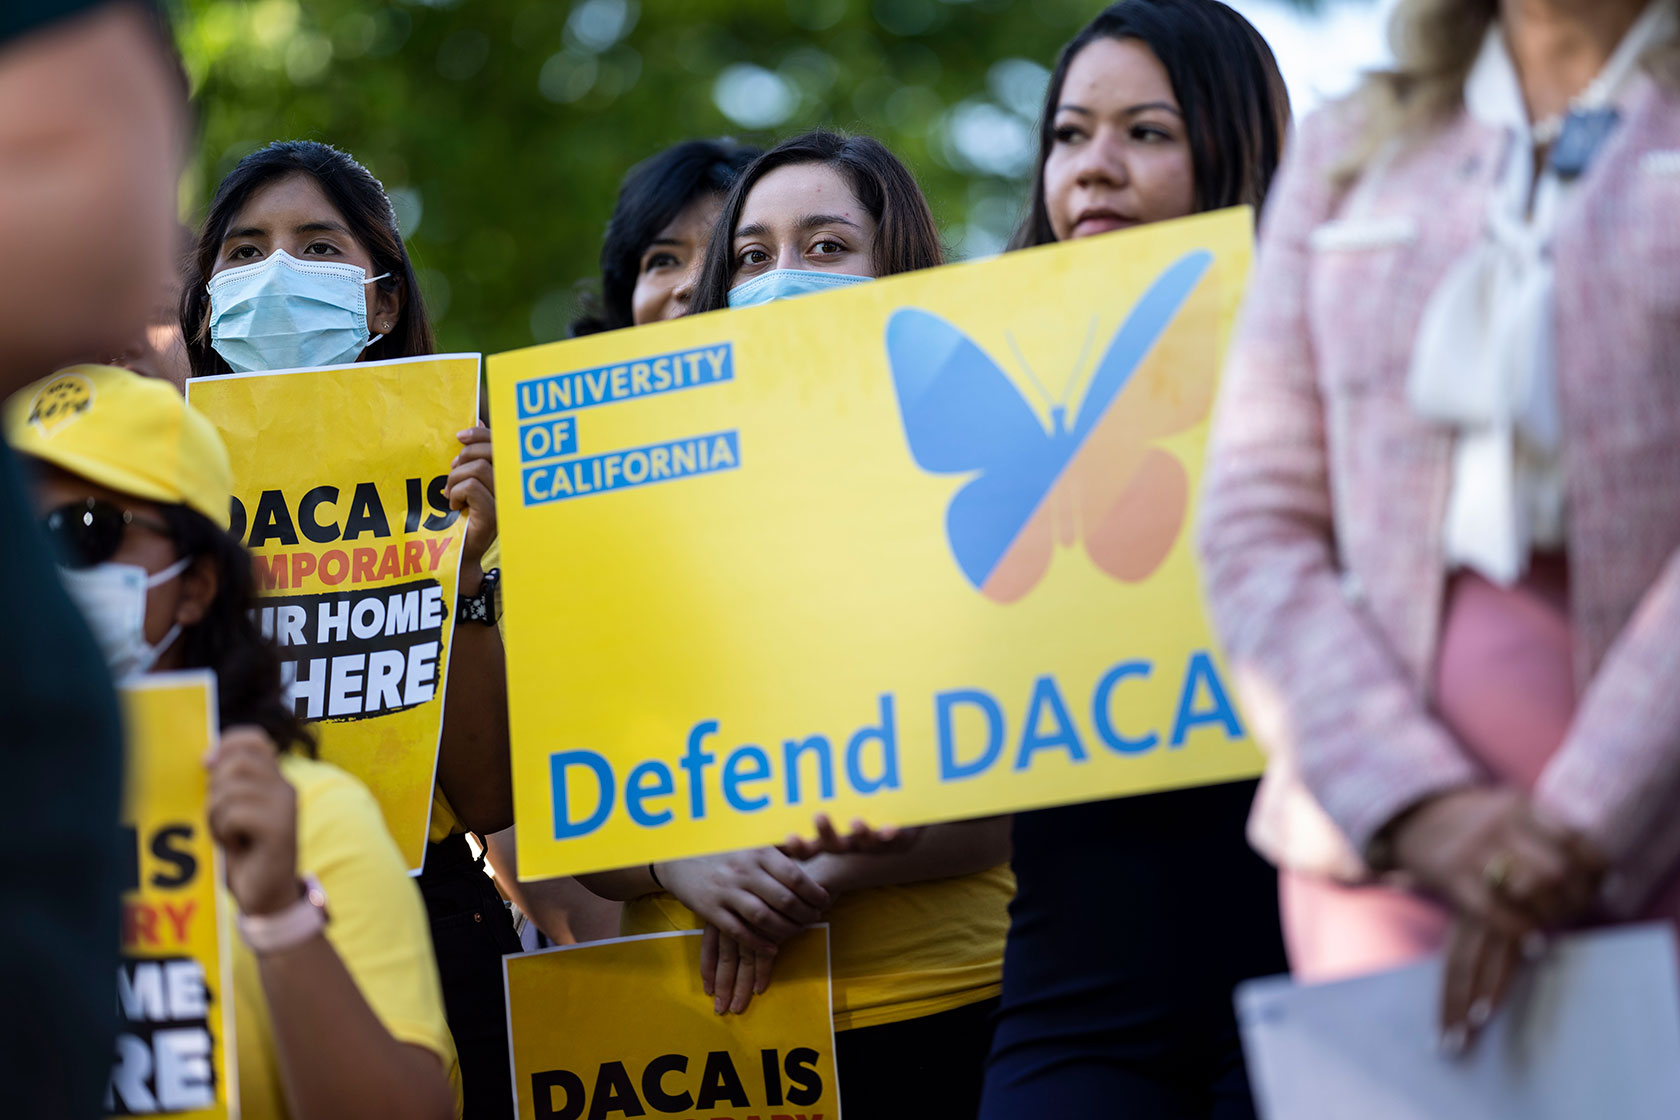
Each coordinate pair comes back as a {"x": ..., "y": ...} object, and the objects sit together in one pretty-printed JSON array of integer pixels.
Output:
[{"x": 385, "y": 327}]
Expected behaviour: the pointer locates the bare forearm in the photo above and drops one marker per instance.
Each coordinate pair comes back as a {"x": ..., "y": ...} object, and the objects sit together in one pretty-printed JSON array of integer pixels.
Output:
[
  {"x": 941, "y": 851},
  {"x": 337, "y": 1061},
  {"x": 564, "y": 909},
  {"x": 621, "y": 885},
  {"x": 474, "y": 766}
]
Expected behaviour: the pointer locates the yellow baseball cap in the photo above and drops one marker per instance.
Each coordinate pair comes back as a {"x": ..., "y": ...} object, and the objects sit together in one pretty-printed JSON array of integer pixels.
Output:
[{"x": 134, "y": 434}]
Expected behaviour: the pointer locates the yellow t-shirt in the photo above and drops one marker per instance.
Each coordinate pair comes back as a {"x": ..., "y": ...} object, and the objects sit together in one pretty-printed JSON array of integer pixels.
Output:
[
  {"x": 444, "y": 825},
  {"x": 896, "y": 953},
  {"x": 444, "y": 822},
  {"x": 378, "y": 928}
]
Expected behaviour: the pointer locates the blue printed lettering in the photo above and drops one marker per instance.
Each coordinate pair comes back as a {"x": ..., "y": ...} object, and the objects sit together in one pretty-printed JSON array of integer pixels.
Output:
[
  {"x": 1220, "y": 711},
  {"x": 734, "y": 778},
  {"x": 564, "y": 392},
  {"x": 945, "y": 704},
  {"x": 635, "y": 466},
  {"x": 638, "y": 789},
  {"x": 695, "y": 762},
  {"x": 565, "y": 828},
  {"x": 1046, "y": 697},
  {"x": 1101, "y": 710},
  {"x": 791, "y": 752},
  {"x": 885, "y": 733}
]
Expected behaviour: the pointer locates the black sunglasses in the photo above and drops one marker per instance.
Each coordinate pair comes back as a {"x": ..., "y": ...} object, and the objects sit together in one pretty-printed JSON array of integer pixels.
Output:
[{"x": 89, "y": 532}]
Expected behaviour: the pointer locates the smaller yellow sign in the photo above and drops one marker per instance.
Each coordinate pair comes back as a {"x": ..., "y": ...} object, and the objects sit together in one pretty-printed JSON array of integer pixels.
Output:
[
  {"x": 175, "y": 1047},
  {"x": 338, "y": 479},
  {"x": 623, "y": 1028}
]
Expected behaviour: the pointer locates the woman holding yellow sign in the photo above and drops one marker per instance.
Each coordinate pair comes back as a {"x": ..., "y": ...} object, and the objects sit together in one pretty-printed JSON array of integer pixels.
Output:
[
  {"x": 650, "y": 257},
  {"x": 1136, "y": 918},
  {"x": 301, "y": 264},
  {"x": 916, "y": 924},
  {"x": 337, "y": 1016}
]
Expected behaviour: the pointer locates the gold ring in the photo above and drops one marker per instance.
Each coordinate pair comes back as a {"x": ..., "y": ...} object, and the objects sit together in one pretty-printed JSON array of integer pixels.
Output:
[{"x": 1496, "y": 873}]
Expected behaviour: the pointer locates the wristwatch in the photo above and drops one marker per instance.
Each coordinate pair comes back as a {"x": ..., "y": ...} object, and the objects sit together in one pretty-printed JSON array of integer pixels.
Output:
[
  {"x": 480, "y": 607},
  {"x": 290, "y": 927}
]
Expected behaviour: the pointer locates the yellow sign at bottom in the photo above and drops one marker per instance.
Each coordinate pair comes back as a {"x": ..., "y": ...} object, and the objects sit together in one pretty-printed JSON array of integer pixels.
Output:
[
  {"x": 174, "y": 1054},
  {"x": 624, "y": 1028}
]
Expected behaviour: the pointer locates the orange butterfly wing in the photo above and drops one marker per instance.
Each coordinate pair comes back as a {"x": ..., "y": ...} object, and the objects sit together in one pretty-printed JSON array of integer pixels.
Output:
[{"x": 1131, "y": 496}]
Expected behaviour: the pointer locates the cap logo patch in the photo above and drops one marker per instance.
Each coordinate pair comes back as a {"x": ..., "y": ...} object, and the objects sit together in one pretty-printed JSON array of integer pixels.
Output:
[{"x": 60, "y": 401}]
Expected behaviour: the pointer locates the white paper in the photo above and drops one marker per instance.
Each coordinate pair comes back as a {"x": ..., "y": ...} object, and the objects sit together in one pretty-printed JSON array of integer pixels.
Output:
[{"x": 1591, "y": 1032}]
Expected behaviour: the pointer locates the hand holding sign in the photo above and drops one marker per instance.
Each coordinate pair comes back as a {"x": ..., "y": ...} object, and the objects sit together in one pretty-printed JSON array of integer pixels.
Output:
[
  {"x": 253, "y": 816},
  {"x": 472, "y": 488},
  {"x": 863, "y": 838},
  {"x": 758, "y": 897},
  {"x": 730, "y": 973}
]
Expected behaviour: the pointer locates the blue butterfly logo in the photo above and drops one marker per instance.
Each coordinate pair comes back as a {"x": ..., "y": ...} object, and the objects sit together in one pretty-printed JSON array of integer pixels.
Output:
[{"x": 963, "y": 415}]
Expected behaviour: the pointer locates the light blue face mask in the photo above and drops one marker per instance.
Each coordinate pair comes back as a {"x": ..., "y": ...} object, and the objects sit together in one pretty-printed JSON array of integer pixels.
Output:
[
  {"x": 283, "y": 313},
  {"x": 785, "y": 283}
]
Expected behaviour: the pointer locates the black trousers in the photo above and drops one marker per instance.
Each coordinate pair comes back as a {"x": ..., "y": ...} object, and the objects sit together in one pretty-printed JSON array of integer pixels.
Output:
[
  {"x": 919, "y": 1069},
  {"x": 1133, "y": 921},
  {"x": 471, "y": 930}
]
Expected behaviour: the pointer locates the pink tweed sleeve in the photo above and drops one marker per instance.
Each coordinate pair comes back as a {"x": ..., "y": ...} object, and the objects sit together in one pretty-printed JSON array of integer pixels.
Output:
[{"x": 1323, "y": 691}]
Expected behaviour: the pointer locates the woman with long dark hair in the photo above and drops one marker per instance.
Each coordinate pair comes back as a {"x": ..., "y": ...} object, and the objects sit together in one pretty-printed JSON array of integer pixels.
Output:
[
  {"x": 1135, "y": 918},
  {"x": 301, "y": 263},
  {"x": 650, "y": 256},
  {"x": 917, "y": 924},
  {"x": 656, "y": 239},
  {"x": 336, "y": 1017}
]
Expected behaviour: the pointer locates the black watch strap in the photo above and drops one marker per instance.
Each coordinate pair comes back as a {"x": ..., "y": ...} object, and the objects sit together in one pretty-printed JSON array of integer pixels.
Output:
[{"x": 481, "y": 607}]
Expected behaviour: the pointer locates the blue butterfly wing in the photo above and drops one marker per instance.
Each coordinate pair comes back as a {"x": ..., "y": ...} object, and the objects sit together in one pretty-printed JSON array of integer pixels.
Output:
[
  {"x": 1148, "y": 320},
  {"x": 961, "y": 413}
]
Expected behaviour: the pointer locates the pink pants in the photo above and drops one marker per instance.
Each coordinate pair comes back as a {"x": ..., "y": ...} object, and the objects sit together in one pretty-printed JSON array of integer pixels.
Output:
[{"x": 1504, "y": 684}]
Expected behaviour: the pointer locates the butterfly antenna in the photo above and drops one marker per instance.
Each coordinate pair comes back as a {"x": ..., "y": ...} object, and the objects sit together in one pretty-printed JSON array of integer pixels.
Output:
[
  {"x": 1049, "y": 401},
  {"x": 1079, "y": 363}
]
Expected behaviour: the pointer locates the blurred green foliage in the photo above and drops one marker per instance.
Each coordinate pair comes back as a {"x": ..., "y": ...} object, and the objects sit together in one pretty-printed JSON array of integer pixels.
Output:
[{"x": 502, "y": 127}]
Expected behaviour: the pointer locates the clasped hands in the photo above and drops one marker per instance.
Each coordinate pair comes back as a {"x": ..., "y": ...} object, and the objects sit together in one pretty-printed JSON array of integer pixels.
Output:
[
  {"x": 753, "y": 900},
  {"x": 1509, "y": 875}
]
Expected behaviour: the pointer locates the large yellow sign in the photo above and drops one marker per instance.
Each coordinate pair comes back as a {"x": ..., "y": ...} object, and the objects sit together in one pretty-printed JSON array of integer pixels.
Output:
[
  {"x": 915, "y": 550},
  {"x": 623, "y": 1028},
  {"x": 338, "y": 492},
  {"x": 175, "y": 1047}
]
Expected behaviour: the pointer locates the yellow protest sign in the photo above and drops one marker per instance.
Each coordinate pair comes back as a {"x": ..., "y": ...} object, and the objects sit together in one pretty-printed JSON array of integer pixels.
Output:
[
  {"x": 916, "y": 550},
  {"x": 338, "y": 492},
  {"x": 174, "y": 1054},
  {"x": 624, "y": 1028}
]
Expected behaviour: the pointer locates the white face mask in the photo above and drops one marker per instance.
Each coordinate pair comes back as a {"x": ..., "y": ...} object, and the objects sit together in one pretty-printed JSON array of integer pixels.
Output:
[{"x": 112, "y": 598}]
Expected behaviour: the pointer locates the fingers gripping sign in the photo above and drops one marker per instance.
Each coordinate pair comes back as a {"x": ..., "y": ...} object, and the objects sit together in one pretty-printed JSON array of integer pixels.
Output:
[
  {"x": 863, "y": 838},
  {"x": 730, "y": 973},
  {"x": 253, "y": 816},
  {"x": 759, "y": 897},
  {"x": 471, "y": 489}
]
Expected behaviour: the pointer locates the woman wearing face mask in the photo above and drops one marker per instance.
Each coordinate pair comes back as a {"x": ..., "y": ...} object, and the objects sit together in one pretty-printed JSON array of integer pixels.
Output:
[
  {"x": 300, "y": 263},
  {"x": 1135, "y": 918},
  {"x": 666, "y": 208},
  {"x": 338, "y": 1012},
  {"x": 917, "y": 926}
]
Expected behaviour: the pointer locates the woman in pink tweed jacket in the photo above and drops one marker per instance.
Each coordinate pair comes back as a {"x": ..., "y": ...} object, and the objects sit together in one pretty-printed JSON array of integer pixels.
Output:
[{"x": 1472, "y": 720}]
